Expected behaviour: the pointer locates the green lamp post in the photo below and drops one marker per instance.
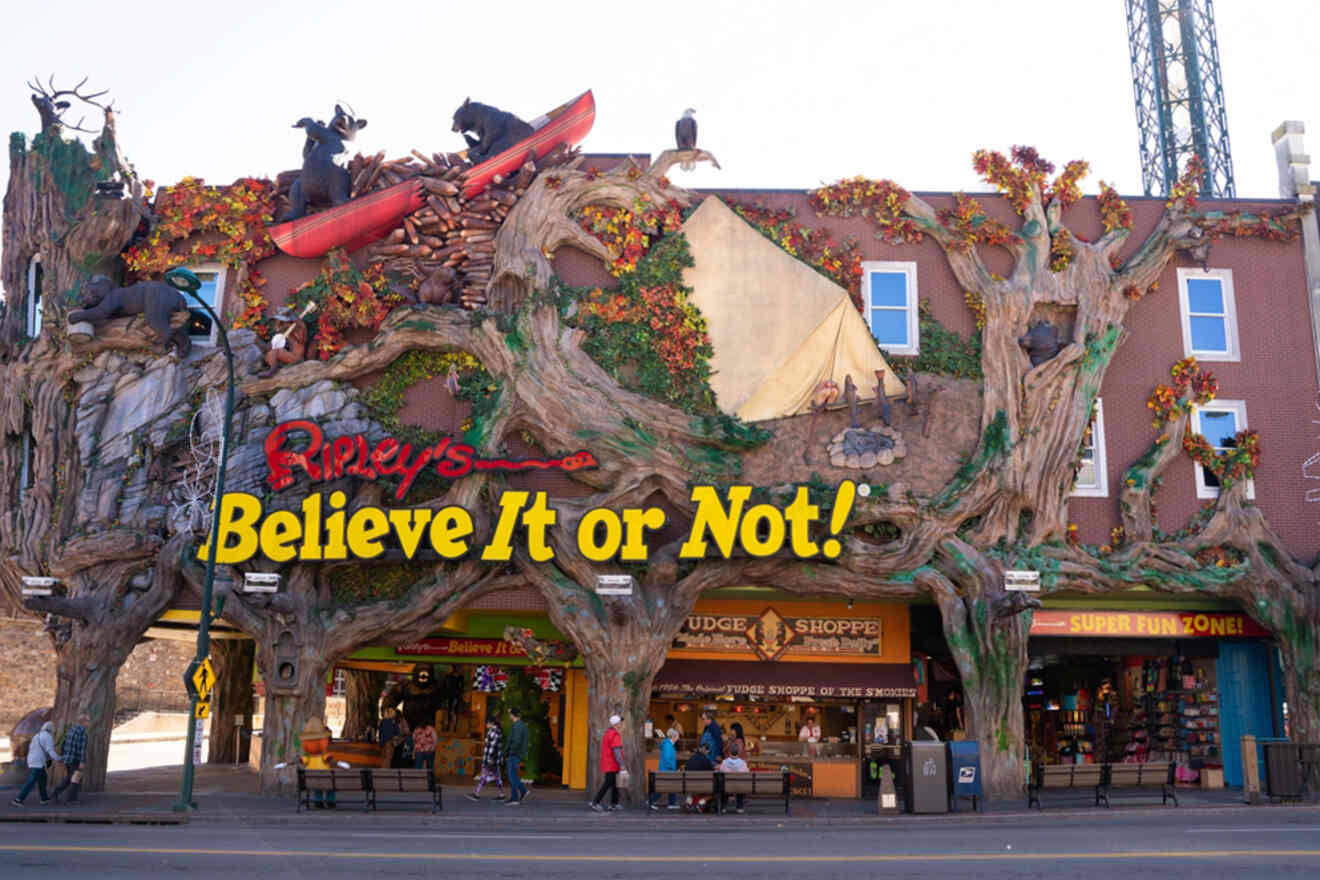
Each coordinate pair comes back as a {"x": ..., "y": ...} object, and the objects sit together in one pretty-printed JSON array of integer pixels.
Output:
[{"x": 197, "y": 673}]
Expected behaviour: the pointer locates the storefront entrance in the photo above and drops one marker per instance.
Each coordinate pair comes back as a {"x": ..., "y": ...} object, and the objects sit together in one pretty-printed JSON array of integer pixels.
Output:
[
  {"x": 1109, "y": 686},
  {"x": 825, "y": 689}
]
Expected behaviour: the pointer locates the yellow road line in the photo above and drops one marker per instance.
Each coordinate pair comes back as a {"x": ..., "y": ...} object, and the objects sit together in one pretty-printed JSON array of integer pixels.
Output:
[{"x": 509, "y": 857}]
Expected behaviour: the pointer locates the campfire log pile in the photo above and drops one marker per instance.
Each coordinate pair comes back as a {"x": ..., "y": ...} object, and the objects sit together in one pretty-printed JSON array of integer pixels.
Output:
[{"x": 450, "y": 231}]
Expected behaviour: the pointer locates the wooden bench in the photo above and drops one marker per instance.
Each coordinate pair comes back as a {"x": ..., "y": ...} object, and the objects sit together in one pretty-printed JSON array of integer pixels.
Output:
[
  {"x": 387, "y": 782},
  {"x": 332, "y": 782},
  {"x": 1064, "y": 776},
  {"x": 1153, "y": 774},
  {"x": 370, "y": 782},
  {"x": 682, "y": 782},
  {"x": 756, "y": 783}
]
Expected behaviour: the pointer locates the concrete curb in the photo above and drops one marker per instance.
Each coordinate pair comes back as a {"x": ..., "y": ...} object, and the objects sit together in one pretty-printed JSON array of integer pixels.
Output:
[{"x": 474, "y": 820}]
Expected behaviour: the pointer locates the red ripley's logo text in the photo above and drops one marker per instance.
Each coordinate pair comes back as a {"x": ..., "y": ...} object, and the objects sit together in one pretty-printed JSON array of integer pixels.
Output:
[{"x": 351, "y": 455}]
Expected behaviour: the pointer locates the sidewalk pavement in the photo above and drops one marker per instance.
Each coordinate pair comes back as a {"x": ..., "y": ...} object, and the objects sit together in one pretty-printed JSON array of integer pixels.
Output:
[{"x": 226, "y": 794}]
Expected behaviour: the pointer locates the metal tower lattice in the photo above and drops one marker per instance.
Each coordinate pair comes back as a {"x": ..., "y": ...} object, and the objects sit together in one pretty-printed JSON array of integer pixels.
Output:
[{"x": 1179, "y": 92}]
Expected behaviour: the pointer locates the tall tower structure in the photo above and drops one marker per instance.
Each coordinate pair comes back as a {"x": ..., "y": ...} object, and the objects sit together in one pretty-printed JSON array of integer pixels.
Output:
[{"x": 1179, "y": 92}]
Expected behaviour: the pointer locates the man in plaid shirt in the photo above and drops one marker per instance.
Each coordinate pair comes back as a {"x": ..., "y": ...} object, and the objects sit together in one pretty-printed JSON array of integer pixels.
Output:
[{"x": 75, "y": 752}]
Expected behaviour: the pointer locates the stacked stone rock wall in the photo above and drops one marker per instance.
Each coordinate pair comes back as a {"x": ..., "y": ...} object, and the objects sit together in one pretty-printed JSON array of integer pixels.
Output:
[{"x": 151, "y": 679}]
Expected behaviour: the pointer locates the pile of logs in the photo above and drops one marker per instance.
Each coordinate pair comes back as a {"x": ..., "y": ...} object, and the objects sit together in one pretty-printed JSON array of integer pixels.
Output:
[{"x": 449, "y": 231}]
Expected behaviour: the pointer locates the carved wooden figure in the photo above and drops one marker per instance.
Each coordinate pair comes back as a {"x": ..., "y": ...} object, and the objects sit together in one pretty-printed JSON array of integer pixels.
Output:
[
  {"x": 322, "y": 180},
  {"x": 289, "y": 345},
  {"x": 155, "y": 300},
  {"x": 882, "y": 407}
]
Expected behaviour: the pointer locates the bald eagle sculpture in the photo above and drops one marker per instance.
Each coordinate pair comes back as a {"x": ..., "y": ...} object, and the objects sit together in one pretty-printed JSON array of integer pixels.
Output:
[{"x": 685, "y": 135}]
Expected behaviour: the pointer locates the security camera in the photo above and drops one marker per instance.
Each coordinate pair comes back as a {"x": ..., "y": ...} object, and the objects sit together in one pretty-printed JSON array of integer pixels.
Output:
[
  {"x": 38, "y": 586},
  {"x": 261, "y": 582}
]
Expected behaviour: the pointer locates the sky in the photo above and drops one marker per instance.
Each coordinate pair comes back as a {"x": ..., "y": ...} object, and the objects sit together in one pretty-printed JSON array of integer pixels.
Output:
[{"x": 789, "y": 95}]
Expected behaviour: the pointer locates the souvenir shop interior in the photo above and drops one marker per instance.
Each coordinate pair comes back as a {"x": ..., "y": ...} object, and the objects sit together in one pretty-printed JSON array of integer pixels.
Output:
[
  {"x": 1128, "y": 707},
  {"x": 459, "y": 697}
]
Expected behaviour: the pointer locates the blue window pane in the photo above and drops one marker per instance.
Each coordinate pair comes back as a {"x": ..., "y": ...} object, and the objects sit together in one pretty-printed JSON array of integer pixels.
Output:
[
  {"x": 207, "y": 290},
  {"x": 889, "y": 326},
  {"x": 1205, "y": 295},
  {"x": 1219, "y": 427},
  {"x": 1208, "y": 334},
  {"x": 889, "y": 289},
  {"x": 199, "y": 322}
]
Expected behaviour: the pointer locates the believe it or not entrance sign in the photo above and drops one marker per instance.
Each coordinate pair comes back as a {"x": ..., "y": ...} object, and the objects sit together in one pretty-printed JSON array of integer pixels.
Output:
[{"x": 1146, "y": 624}]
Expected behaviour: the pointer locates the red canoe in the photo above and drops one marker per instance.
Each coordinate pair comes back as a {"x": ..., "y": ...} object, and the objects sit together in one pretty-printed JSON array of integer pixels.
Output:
[
  {"x": 352, "y": 225},
  {"x": 566, "y": 124}
]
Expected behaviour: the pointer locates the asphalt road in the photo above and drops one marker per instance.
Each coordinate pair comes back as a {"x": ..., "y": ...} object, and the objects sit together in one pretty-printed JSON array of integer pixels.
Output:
[{"x": 1274, "y": 843}]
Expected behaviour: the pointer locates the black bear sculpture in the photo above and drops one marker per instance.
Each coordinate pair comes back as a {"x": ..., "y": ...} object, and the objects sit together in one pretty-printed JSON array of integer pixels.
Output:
[
  {"x": 323, "y": 181},
  {"x": 155, "y": 300},
  {"x": 496, "y": 130},
  {"x": 1041, "y": 342}
]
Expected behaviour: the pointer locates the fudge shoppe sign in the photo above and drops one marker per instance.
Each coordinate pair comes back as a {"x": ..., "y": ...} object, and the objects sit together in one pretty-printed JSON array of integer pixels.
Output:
[
  {"x": 772, "y": 636},
  {"x": 323, "y": 528}
]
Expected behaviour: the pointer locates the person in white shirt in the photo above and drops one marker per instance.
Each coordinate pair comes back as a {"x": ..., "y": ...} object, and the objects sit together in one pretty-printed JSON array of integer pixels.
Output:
[
  {"x": 734, "y": 763},
  {"x": 40, "y": 751}
]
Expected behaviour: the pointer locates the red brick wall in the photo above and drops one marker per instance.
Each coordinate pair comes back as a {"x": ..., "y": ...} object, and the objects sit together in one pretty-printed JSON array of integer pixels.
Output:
[{"x": 1276, "y": 376}]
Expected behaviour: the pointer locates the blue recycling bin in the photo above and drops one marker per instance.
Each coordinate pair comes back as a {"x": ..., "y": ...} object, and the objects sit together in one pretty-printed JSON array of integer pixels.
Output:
[{"x": 965, "y": 774}]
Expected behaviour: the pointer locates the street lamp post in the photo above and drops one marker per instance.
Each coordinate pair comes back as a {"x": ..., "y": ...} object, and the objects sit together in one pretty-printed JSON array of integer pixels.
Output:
[{"x": 188, "y": 283}]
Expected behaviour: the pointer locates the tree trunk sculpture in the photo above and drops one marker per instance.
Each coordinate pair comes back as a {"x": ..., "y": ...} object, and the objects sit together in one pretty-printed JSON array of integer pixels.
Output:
[
  {"x": 362, "y": 689},
  {"x": 234, "y": 661}
]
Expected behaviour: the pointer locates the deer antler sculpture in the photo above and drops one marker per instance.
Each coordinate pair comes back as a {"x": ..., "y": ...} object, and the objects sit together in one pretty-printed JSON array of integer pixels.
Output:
[{"x": 52, "y": 110}]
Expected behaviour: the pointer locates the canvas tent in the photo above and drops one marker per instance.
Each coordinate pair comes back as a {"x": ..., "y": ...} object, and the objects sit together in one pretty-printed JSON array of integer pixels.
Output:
[{"x": 778, "y": 327}]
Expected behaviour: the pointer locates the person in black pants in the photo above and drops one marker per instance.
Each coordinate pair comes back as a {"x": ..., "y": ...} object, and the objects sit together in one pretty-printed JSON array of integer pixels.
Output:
[{"x": 611, "y": 762}]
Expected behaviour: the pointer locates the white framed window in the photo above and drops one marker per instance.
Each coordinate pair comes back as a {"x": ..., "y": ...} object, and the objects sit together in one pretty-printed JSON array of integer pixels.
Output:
[
  {"x": 212, "y": 291},
  {"x": 889, "y": 291},
  {"x": 1209, "y": 314},
  {"x": 1218, "y": 422},
  {"x": 34, "y": 304},
  {"x": 1092, "y": 479}
]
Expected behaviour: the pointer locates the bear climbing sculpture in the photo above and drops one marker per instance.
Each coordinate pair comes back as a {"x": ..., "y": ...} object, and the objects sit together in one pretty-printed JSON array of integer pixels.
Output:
[
  {"x": 323, "y": 181},
  {"x": 496, "y": 130},
  {"x": 1041, "y": 342},
  {"x": 155, "y": 300}
]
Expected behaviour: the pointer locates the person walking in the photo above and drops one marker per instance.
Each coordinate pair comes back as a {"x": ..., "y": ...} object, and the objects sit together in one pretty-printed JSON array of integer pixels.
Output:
[
  {"x": 424, "y": 741},
  {"x": 72, "y": 756},
  {"x": 712, "y": 737},
  {"x": 668, "y": 761},
  {"x": 41, "y": 751},
  {"x": 517, "y": 754},
  {"x": 490, "y": 761},
  {"x": 611, "y": 762}
]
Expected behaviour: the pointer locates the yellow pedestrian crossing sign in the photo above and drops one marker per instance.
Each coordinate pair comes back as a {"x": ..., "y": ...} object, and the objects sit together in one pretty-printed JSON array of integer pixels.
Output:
[{"x": 201, "y": 679}]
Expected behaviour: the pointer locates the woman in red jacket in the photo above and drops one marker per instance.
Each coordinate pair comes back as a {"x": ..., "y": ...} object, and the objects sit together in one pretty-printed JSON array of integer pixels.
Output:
[{"x": 611, "y": 762}]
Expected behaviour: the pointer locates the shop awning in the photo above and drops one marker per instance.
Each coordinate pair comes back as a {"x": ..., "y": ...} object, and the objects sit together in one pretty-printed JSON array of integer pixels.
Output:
[{"x": 782, "y": 681}]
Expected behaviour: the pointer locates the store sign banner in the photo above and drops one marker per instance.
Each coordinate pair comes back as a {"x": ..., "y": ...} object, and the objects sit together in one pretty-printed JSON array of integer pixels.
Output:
[
  {"x": 741, "y": 689},
  {"x": 460, "y": 647},
  {"x": 325, "y": 527},
  {"x": 770, "y": 636},
  {"x": 1146, "y": 624}
]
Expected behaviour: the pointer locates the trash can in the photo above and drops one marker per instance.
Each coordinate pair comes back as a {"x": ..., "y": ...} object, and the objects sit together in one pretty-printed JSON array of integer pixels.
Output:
[
  {"x": 965, "y": 774},
  {"x": 927, "y": 765},
  {"x": 1283, "y": 771}
]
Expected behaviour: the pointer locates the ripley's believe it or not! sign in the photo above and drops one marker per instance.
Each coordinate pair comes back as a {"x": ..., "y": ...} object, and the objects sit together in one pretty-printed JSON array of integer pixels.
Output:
[{"x": 322, "y": 529}]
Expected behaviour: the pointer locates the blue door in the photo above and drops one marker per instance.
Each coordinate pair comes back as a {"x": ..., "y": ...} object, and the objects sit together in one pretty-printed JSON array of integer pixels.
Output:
[{"x": 1244, "y": 700}]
